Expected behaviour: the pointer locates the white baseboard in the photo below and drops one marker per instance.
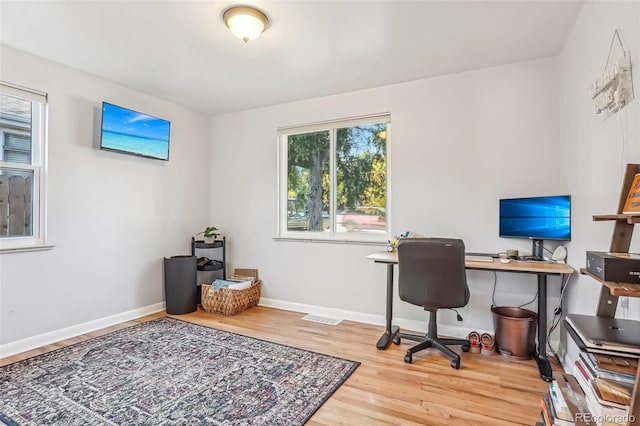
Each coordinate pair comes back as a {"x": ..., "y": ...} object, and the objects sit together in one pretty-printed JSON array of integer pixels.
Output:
[
  {"x": 403, "y": 323},
  {"x": 44, "y": 339},
  {"x": 12, "y": 348}
]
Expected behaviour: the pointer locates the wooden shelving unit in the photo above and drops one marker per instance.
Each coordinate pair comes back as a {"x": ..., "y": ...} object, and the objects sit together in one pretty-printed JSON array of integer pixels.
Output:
[
  {"x": 615, "y": 288},
  {"x": 630, "y": 219},
  {"x": 611, "y": 291}
]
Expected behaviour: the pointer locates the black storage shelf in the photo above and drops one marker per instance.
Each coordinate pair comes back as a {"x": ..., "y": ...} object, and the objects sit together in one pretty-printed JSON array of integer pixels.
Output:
[
  {"x": 202, "y": 245},
  {"x": 220, "y": 255}
]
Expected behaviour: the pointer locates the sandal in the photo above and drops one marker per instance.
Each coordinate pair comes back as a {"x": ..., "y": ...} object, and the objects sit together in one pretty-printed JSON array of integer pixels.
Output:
[
  {"x": 474, "y": 342},
  {"x": 488, "y": 343}
]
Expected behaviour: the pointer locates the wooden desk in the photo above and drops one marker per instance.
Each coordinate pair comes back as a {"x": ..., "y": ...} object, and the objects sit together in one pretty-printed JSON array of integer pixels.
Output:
[{"x": 541, "y": 269}]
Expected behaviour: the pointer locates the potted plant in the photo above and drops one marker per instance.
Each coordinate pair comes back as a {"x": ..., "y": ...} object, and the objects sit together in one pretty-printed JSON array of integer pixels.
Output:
[{"x": 209, "y": 234}]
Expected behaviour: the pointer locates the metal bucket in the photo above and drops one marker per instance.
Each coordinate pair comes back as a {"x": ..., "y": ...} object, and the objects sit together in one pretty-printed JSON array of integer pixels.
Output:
[{"x": 515, "y": 331}]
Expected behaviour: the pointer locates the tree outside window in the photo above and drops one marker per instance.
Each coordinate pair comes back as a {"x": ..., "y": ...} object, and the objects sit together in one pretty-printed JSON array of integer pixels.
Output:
[{"x": 336, "y": 179}]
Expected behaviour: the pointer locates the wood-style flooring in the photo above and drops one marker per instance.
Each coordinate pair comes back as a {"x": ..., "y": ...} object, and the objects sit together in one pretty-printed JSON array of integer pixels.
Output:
[{"x": 486, "y": 390}]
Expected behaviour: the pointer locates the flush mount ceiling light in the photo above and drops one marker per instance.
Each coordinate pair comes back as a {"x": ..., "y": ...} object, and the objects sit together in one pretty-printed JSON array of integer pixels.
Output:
[{"x": 245, "y": 22}]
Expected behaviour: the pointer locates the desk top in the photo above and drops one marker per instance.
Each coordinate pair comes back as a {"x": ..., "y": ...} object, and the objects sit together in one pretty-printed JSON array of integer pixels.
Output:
[{"x": 496, "y": 265}]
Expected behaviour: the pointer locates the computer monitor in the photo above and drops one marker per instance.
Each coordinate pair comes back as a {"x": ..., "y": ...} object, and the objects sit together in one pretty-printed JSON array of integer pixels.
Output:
[{"x": 537, "y": 219}]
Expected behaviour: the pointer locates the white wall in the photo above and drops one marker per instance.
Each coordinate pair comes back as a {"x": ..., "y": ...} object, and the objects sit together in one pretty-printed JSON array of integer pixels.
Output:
[
  {"x": 458, "y": 144},
  {"x": 598, "y": 150},
  {"x": 111, "y": 217}
]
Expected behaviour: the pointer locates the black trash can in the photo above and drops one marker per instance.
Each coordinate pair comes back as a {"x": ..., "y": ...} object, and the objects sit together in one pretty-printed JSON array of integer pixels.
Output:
[
  {"x": 515, "y": 331},
  {"x": 180, "y": 284}
]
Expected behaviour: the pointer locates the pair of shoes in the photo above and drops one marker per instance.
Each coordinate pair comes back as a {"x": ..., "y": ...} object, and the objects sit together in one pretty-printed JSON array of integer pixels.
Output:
[
  {"x": 488, "y": 344},
  {"x": 474, "y": 340},
  {"x": 203, "y": 261}
]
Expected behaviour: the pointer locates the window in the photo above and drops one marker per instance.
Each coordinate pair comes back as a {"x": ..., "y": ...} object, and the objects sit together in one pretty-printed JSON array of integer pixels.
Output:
[
  {"x": 333, "y": 180},
  {"x": 22, "y": 139}
]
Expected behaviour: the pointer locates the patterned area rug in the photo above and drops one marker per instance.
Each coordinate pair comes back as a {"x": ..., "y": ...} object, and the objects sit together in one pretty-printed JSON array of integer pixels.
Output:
[{"x": 170, "y": 372}]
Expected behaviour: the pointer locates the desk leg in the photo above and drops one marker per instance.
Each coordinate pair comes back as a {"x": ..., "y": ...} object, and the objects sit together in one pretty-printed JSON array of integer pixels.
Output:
[
  {"x": 390, "y": 331},
  {"x": 546, "y": 373}
]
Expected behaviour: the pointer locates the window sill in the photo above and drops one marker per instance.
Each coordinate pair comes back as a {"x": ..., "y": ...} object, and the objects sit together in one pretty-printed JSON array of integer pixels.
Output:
[
  {"x": 332, "y": 241},
  {"x": 25, "y": 249}
]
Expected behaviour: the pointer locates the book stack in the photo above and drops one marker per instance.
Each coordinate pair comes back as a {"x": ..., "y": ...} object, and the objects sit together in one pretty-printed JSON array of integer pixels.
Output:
[
  {"x": 605, "y": 370},
  {"x": 607, "y": 382},
  {"x": 564, "y": 404}
]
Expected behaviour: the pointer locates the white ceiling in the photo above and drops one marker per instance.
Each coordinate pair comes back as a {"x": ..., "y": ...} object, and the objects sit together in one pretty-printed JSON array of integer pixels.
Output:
[{"x": 181, "y": 51}]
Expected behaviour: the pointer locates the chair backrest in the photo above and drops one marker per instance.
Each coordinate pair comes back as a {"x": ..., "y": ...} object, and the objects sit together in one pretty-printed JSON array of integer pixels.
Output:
[{"x": 432, "y": 273}]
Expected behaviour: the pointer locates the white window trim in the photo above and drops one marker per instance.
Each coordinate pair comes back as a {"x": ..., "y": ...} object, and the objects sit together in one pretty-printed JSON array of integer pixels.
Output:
[
  {"x": 37, "y": 241},
  {"x": 282, "y": 234}
]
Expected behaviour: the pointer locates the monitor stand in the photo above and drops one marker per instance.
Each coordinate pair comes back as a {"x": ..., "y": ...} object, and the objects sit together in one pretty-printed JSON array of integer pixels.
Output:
[{"x": 537, "y": 250}]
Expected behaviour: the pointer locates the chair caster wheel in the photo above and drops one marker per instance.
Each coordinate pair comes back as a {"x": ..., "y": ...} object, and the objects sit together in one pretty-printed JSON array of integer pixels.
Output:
[
  {"x": 465, "y": 348},
  {"x": 408, "y": 358},
  {"x": 455, "y": 364},
  {"x": 396, "y": 340}
]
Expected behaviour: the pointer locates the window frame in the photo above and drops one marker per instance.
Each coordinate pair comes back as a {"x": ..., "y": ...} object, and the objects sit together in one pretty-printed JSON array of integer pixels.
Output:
[
  {"x": 282, "y": 233},
  {"x": 38, "y": 165}
]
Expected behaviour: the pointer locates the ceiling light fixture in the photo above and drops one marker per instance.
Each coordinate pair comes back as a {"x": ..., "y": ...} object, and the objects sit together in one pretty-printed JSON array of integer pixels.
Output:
[{"x": 245, "y": 22}]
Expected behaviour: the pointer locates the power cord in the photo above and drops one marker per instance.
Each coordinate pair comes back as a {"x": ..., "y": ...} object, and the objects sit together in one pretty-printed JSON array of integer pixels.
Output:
[
  {"x": 458, "y": 316},
  {"x": 493, "y": 293},
  {"x": 532, "y": 300},
  {"x": 557, "y": 311}
]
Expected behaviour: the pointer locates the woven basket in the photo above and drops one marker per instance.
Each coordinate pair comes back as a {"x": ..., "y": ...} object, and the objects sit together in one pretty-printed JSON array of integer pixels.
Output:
[{"x": 230, "y": 302}]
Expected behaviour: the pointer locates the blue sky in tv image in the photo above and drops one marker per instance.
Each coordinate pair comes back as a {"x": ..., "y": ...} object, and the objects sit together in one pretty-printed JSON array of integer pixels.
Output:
[{"x": 133, "y": 132}]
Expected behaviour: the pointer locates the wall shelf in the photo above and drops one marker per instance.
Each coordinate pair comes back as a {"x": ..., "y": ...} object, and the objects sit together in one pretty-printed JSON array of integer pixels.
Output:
[
  {"x": 615, "y": 288},
  {"x": 630, "y": 219}
]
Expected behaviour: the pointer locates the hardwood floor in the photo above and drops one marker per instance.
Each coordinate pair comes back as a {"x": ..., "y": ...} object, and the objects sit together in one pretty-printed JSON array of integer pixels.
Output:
[{"x": 486, "y": 390}]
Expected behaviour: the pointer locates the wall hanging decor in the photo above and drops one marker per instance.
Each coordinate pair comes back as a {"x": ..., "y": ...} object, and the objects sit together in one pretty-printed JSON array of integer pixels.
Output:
[{"x": 614, "y": 88}]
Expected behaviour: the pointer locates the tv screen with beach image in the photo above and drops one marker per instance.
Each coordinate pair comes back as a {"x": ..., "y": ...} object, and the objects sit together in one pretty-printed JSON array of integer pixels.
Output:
[{"x": 132, "y": 132}]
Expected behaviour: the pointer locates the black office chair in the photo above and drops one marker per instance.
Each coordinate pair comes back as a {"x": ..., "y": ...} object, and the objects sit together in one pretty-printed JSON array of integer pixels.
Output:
[{"x": 432, "y": 274}]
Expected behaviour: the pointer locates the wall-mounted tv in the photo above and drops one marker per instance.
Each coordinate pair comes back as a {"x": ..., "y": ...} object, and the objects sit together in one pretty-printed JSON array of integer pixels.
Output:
[{"x": 132, "y": 132}]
